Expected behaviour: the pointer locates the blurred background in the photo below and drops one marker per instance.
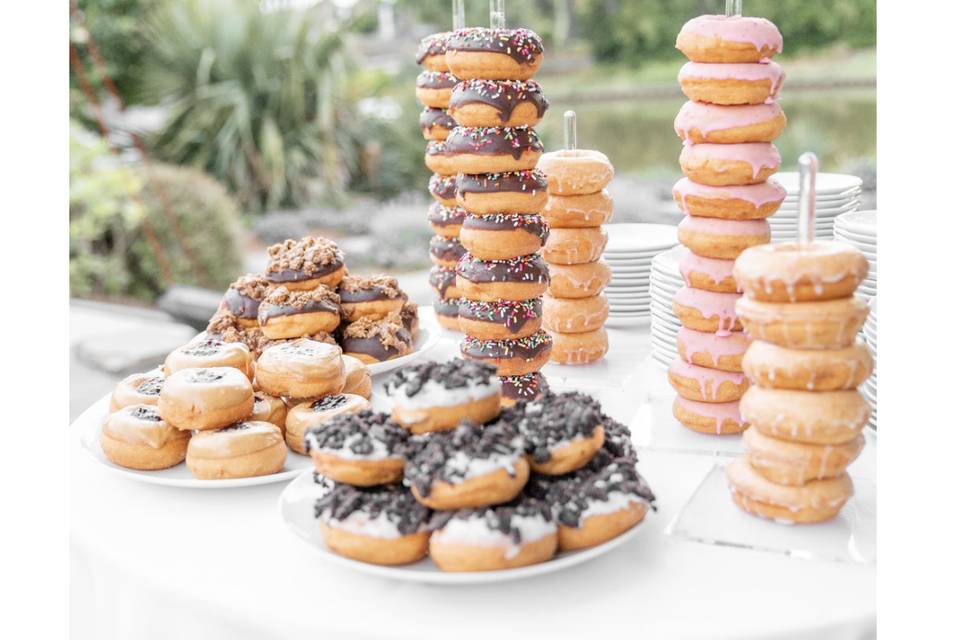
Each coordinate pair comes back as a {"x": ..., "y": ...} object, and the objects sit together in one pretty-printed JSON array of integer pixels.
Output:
[{"x": 204, "y": 130}]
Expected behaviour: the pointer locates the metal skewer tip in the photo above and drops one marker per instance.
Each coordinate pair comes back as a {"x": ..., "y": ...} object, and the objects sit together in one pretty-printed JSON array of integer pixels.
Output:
[
  {"x": 734, "y": 8},
  {"x": 570, "y": 130},
  {"x": 807, "y": 197},
  {"x": 498, "y": 15},
  {"x": 459, "y": 21}
]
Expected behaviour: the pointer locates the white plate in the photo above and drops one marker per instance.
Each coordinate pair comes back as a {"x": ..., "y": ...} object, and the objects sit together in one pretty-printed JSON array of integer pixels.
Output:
[
  {"x": 860, "y": 222},
  {"x": 639, "y": 237},
  {"x": 426, "y": 338},
  {"x": 827, "y": 183},
  {"x": 295, "y": 506}
]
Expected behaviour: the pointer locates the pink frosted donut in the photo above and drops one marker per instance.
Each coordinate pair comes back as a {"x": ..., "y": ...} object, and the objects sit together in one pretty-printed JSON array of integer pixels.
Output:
[
  {"x": 723, "y": 165},
  {"x": 710, "y": 350},
  {"x": 707, "y": 311},
  {"x": 703, "y": 384},
  {"x": 719, "y": 238},
  {"x": 712, "y": 38},
  {"x": 719, "y": 418},
  {"x": 748, "y": 202},
  {"x": 731, "y": 84},
  {"x": 710, "y": 274},
  {"x": 699, "y": 122}
]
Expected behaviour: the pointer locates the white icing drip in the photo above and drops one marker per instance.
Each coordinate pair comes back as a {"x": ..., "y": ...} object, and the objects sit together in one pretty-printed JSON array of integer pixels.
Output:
[
  {"x": 362, "y": 524},
  {"x": 474, "y": 531},
  {"x": 615, "y": 501}
]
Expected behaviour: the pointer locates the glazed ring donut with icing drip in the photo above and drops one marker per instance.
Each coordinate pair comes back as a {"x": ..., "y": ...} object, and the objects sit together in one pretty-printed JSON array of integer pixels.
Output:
[
  {"x": 137, "y": 437},
  {"x": 207, "y": 398},
  {"x": 574, "y": 172},
  {"x": 729, "y": 39},
  {"x": 241, "y": 450}
]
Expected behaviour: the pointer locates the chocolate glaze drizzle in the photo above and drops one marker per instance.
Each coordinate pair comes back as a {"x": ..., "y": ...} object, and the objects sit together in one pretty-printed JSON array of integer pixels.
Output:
[
  {"x": 502, "y": 95},
  {"x": 442, "y": 279}
]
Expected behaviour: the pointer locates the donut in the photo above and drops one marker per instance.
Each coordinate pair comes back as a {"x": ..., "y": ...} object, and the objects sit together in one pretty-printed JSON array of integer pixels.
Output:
[
  {"x": 302, "y": 368},
  {"x": 494, "y": 54},
  {"x": 707, "y": 311},
  {"x": 709, "y": 274},
  {"x": 435, "y": 124},
  {"x": 702, "y": 384},
  {"x": 575, "y": 246},
  {"x": 729, "y": 39},
  {"x": 497, "y": 103},
  {"x": 723, "y": 239},
  {"x": 617, "y": 445},
  {"x": 801, "y": 271},
  {"x": 575, "y": 315},
  {"x": 578, "y": 280},
  {"x": 136, "y": 437},
  {"x": 242, "y": 298},
  {"x": 321, "y": 336},
  {"x": 371, "y": 297},
  {"x": 796, "y": 463},
  {"x": 501, "y": 236},
  {"x": 357, "y": 378},
  {"x": 205, "y": 398},
  {"x": 493, "y": 149},
  {"x": 363, "y": 448},
  {"x": 573, "y": 172},
  {"x": 579, "y": 348},
  {"x": 491, "y": 280},
  {"x": 724, "y": 165},
  {"x": 137, "y": 388},
  {"x": 292, "y": 313},
  {"x": 506, "y": 536},
  {"x": 444, "y": 191},
  {"x": 826, "y": 417},
  {"x": 815, "y": 501},
  {"x": 311, "y": 414},
  {"x": 699, "y": 122},
  {"x": 731, "y": 84},
  {"x": 769, "y": 365},
  {"x": 563, "y": 431},
  {"x": 523, "y": 388},
  {"x": 747, "y": 202},
  {"x": 373, "y": 341},
  {"x": 719, "y": 418},
  {"x": 434, "y": 88},
  {"x": 431, "y": 52},
  {"x": 302, "y": 265},
  {"x": 211, "y": 352},
  {"x": 445, "y": 251},
  {"x": 830, "y": 324},
  {"x": 506, "y": 192},
  {"x": 437, "y": 396},
  {"x": 501, "y": 319},
  {"x": 711, "y": 350},
  {"x": 226, "y": 326},
  {"x": 443, "y": 280},
  {"x": 571, "y": 212},
  {"x": 448, "y": 313},
  {"x": 379, "y": 525},
  {"x": 267, "y": 408},
  {"x": 511, "y": 356},
  {"x": 242, "y": 450},
  {"x": 438, "y": 159}
]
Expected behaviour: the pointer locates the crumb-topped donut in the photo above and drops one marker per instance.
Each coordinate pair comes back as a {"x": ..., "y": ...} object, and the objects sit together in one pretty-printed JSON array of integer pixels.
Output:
[
  {"x": 357, "y": 378},
  {"x": 446, "y": 221},
  {"x": 770, "y": 365},
  {"x": 371, "y": 297},
  {"x": 511, "y": 356},
  {"x": 716, "y": 418},
  {"x": 435, "y": 124},
  {"x": 579, "y": 348},
  {"x": 363, "y": 448},
  {"x": 572, "y": 172},
  {"x": 241, "y": 450},
  {"x": 207, "y": 398},
  {"x": 699, "y": 122},
  {"x": 494, "y": 54},
  {"x": 723, "y": 352},
  {"x": 267, "y": 408},
  {"x": 302, "y": 368},
  {"x": 137, "y": 388},
  {"x": 801, "y": 271},
  {"x": 796, "y": 463},
  {"x": 575, "y": 246},
  {"x": 506, "y": 192},
  {"x": 470, "y": 466},
  {"x": 576, "y": 315},
  {"x": 584, "y": 210},
  {"x": 563, "y": 431},
  {"x": 291, "y": 314},
  {"x": 724, "y": 165},
  {"x": 444, "y": 190},
  {"x": 703, "y": 384},
  {"x": 243, "y": 298},
  {"x": 579, "y": 280},
  {"x": 432, "y": 50},
  {"x": 434, "y": 88},
  {"x": 137, "y": 437},
  {"x": 305, "y": 264},
  {"x": 501, "y": 236},
  {"x": 729, "y": 39},
  {"x": 731, "y": 84},
  {"x": 825, "y": 417},
  {"x": 493, "y": 149},
  {"x": 497, "y": 103},
  {"x": 438, "y": 158},
  {"x": 445, "y": 251},
  {"x": 210, "y": 352},
  {"x": 313, "y": 414},
  {"x": 519, "y": 278},
  {"x": 827, "y": 324},
  {"x": 226, "y": 326},
  {"x": 373, "y": 341},
  {"x": 707, "y": 310},
  {"x": 437, "y": 396},
  {"x": 501, "y": 319},
  {"x": 409, "y": 315},
  {"x": 525, "y": 388},
  {"x": 747, "y": 202},
  {"x": 708, "y": 274}
]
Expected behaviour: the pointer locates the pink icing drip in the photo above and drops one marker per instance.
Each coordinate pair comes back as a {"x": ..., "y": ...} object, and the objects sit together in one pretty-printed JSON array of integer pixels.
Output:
[
  {"x": 720, "y": 411},
  {"x": 759, "y": 155},
  {"x": 714, "y": 268},
  {"x": 734, "y": 344},
  {"x": 759, "y": 32},
  {"x": 711, "y": 117},
  {"x": 744, "y": 71},
  {"x": 709, "y": 380},
  {"x": 756, "y": 194},
  {"x": 721, "y": 227},
  {"x": 711, "y": 304}
]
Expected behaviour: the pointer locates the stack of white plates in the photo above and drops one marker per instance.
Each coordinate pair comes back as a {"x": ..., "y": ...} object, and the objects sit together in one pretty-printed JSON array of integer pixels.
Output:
[
  {"x": 859, "y": 228},
  {"x": 837, "y": 194},
  {"x": 665, "y": 281},
  {"x": 630, "y": 252},
  {"x": 869, "y": 387}
]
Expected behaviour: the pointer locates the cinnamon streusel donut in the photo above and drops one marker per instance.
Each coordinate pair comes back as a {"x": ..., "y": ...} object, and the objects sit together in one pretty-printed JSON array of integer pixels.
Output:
[
  {"x": 370, "y": 297},
  {"x": 372, "y": 341}
]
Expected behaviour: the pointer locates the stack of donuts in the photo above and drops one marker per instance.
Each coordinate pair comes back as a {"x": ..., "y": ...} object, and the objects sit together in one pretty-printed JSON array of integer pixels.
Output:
[
  {"x": 494, "y": 151},
  {"x": 447, "y": 474},
  {"x": 806, "y": 362},
  {"x": 575, "y": 308},
  {"x": 727, "y": 128}
]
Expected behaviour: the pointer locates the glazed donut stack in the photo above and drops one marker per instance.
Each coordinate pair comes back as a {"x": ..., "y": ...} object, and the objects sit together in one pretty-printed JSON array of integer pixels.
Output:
[
  {"x": 806, "y": 363},
  {"x": 727, "y": 128}
]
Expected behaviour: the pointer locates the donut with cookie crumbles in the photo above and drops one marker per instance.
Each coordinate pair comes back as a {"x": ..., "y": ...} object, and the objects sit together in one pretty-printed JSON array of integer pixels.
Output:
[
  {"x": 373, "y": 341},
  {"x": 493, "y": 54},
  {"x": 444, "y": 190},
  {"x": 708, "y": 274},
  {"x": 363, "y": 448},
  {"x": 575, "y": 246},
  {"x": 493, "y": 149},
  {"x": 211, "y": 352},
  {"x": 579, "y": 348},
  {"x": 357, "y": 378},
  {"x": 501, "y": 236},
  {"x": 137, "y": 437},
  {"x": 291, "y": 313},
  {"x": 563, "y": 431},
  {"x": 241, "y": 450},
  {"x": 572, "y": 172},
  {"x": 731, "y": 84},
  {"x": 505, "y": 192},
  {"x": 267, "y": 408},
  {"x": 444, "y": 282},
  {"x": 446, "y": 251},
  {"x": 584, "y": 210},
  {"x": 729, "y": 39},
  {"x": 431, "y": 52},
  {"x": 302, "y": 265},
  {"x": 205, "y": 398},
  {"x": 137, "y": 388},
  {"x": 434, "y": 88},
  {"x": 525, "y": 388},
  {"x": 703, "y": 384},
  {"x": 497, "y": 103},
  {"x": 511, "y": 356},
  {"x": 717, "y": 418},
  {"x": 371, "y": 297},
  {"x": 301, "y": 368},
  {"x": 501, "y": 319},
  {"x": 723, "y": 165},
  {"x": 446, "y": 221},
  {"x": 226, "y": 326},
  {"x": 617, "y": 444},
  {"x": 519, "y": 278},
  {"x": 311, "y": 414},
  {"x": 579, "y": 280},
  {"x": 447, "y": 311},
  {"x": 435, "y": 124},
  {"x": 243, "y": 298},
  {"x": 747, "y": 202},
  {"x": 437, "y": 396},
  {"x": 438, "y": 158}
]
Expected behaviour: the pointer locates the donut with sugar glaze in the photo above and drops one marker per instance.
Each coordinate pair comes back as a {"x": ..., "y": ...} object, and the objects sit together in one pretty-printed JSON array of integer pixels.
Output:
[
  {"x": 579, "y": 348},
  {"x": 586, "y": 210},
  {"x": 577, "y": 315},
  {"x": 796, "y": 463},
  {"x": 770, "y": 365},
  {"x": 828, "y": 324},
  {"x": 579, "y": 280},
  {"x": 825, "y": 417},
  {"x": 801, "y": 272},
  {"x": 572, "y": 172},
  {"x": 575, "y": 246}
]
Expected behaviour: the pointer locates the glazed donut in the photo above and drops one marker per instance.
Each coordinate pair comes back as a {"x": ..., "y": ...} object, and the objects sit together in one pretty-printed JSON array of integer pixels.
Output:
[
  {"x": 710, "y": 350},
  {"x": 207, "y": 398},
  {"x": 723, "y": 165},
  {"x": 709, "y": 274},
  {"x": 574, "y": 172},
  {"x": 211, "y": 352},
  {"x": 831, "y": 324},
  {"x": 301, "y": 369},
  {"x": 579, "y": 348},
  {"x": 371, "y": 297},
  {"x": 699, "y": 122},
  {"x": 826, "y": 417},
  {"x": 505, "y": 536},
  {"x": 701, "y": 384},
  {"x": 491, "y": 280},
  {"x": 726, "y": 39},
  {"x": 494, "y": 54},
  {"x": 444, "y": 281},
  {"x": 731, "y": 84},
  {"x": 435, "y": 124},
  {"x": 512, "y": 356},
  {"x": 291, "y": 314},
  {"x": 769, "y": 365},
  {"x": 801, "y": 272},
  {"x": 434, "y": 88},
  {"x": 578, "y": 280},
  {"x": 305, "y": 264},
  {"x": 502, "y": 319},
  {"x": 445, "y": 251},
  {"x": 523, "y": 388},
  {"x": 576, "y": 315},
  {"x": 497, "y": 103},
  {"x": 448, "y": 313},
  {"x": 437, "y": 396},
  {"x": 563, "y": 431},
  {"x": 138, "y": 388},
  {"x": 267, "y": 408},
  {"x": 707, "y": 311},
  {"x": 432, "y": 50},
  {"x": 571, "y": 212},
  {"x": 795, "y": 463},
  {"x": 360, "y": 448},
  {"x": 575, "y": 246},
  {"x": 312, "y": 414},
  {"x": 501, "y": 236},
  {"x": 748, "y": 202},
  {"x": 243, "y": 297},
  {"x": 709, "y": 417},
  {"x": 438, "y": 159},
  {"x": 493, "y": 149},
  {"x": 507, "y": 192},
  {"x": 444, "y": 191},
  {"x": 137, "y": 437},
  {"x": 242, "y": 450},
  {"x": 815, "y": 501},
  {"x": 373, "y": 341},
  {"x": 723, "y": 239},
  {"x": 357, "y": 378}
]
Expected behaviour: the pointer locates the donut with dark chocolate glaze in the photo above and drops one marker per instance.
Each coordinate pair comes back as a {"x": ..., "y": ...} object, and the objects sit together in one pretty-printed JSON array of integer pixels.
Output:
[
  {"x": 502, "y": 319},
  {"x": 446, "y": 251},
  {"x": 444, "y": 283},
  {"x": 525, "y": 388},
  {"x": 301, "y": 265},
  {"x": 434, "y": 88},
  {"x": 446, "y": 221},
  {"x": 291, "y": 314},
  {"x": 448, "y": 313},
  {"x": 438, "y": 159},
  {"x": 443, "y": 189},
  {"x": 435, "y": 124},
  {"x": 511, "y": 356},
  {"x": 242, "y": 298},
  {"x": 431, "y": 54},
  {"x": 492, "y": 149},
  {"x": 506, "y": 192},
  {"x": 519, "y": 278},
  {"x": 373, "y": 341},
  {"x": 371, "y": 297},
  {"x": 493, "y": 54},
  {"x": 497, "y": 103},
  {"x": 501, "y": 236}
]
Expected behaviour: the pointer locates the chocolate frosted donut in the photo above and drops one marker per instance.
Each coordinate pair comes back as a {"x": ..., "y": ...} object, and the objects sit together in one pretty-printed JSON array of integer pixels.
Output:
[
  {"x": 491, "y": 103},
  {"x": 443, "y": 189},
  {"x": 363, "y": 449},
  {"x": 434, "y": 87},
  {"x": 291, "y": 314},
  {"x": 438, "y": 159},
  {"x": 507, "y": 192},
  {"x": 447, "y": 312},
  {"x": 303, "y": 264},
  {"x": 563, "y": 431},
  {"x": 493, "y": 149},
  {"x": 523, "y": 388},
  {"x": 501, "y": 236},
  {"x": 494, "y": 54},
  {"x": 512, "y": 356},
  {"x": 436, "y": 124},
  {"x": 410, "y": 318},
  {"x": 501, "y": 319},
  {"x": 444, "y": 282},
  {"x": 430, "y": 53},
  {"x": 374, "y": 341},
  {"x": 243, "y": 298},
  {"x": 519, "y": 278},
  {"x": 445, "y": 252},
  {"x": 446, "y": 221},
  {"x": 371, "y": 297}
]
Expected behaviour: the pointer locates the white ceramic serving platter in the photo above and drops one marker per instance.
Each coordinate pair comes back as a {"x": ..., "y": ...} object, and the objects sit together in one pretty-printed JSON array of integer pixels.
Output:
[{"x": 426, "y": 339}]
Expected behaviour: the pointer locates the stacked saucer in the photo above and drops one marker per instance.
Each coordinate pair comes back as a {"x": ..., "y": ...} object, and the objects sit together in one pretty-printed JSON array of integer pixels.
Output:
[
  {"x": 837, "y": 194},
  {"x": 630, "y": 252},
  {"x": 665, "y": 281},
  {"x": 870, "y": 386},
  {"x": 859, "y": 228}
]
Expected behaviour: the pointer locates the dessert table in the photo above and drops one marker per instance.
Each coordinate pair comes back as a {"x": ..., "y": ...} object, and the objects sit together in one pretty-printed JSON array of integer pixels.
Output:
[{"x": 153, "y": 561}]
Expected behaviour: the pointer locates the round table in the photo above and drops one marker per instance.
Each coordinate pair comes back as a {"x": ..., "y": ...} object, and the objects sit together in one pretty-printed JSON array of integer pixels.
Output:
[{"x": 151, "y": 561}]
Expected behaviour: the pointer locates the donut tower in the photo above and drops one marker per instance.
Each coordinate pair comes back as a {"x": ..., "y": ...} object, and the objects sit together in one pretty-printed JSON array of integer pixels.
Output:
[
  {"x": 806, "y": 363},
  {"x": 578, "y": 205},
  {"x": 727, "y": 128}
]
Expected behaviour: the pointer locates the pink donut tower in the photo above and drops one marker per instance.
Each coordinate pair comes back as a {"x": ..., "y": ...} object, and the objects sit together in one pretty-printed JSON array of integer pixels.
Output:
[{"x": 723, "y": 136}]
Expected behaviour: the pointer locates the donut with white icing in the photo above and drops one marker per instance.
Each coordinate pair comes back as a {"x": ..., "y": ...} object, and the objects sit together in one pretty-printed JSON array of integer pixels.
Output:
[
  {"x": 205, "y": 398},
  {"x": 828, "y": 324},
  {"x": 586, "y": 210},
  {"x": 563, "y": 431},
  {"x": 721, "y": 239},
  {"x": 136, "y": 437},
  {"x": 747, "y": 202},
  {"x": 715, "y": 418},
  {"x": 572, "y": 172},
  {"x": 729, "y": 39},
  {"x": 579, "y": 280},
  {"x": 703, "y": 384},
  {"x": 699, "y": 122},
  {"x": 301, "y": 369},
  {"x": 575, "y": 245},
  {"x": 137, "y": 388},
  {"x": 579, "y": 348},
  {"x": 796, "y": 463},
  {"x": 577, "y": 315},
  {"x": 362, "y": 448},
  {"x": 241, "y": 450},
  {"x": 707, "y": 311},
  {"x": 770, "y": 365},
  {"x": 725, "y": 165},
  {"x": 313, "y": 414},
  {"x": 723, "y": 352},
  {"x": 826, "y": 417},
  {"x": 801, "y": 271},
  {"x": 211, "y": 352},
  {"x": 731, "y": 84}
]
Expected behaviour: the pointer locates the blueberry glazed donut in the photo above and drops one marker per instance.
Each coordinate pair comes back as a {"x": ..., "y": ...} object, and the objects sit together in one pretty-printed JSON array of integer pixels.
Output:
[
  {"x": 137, "y": 437},
  {"x": 208, "y": 398},
  {"x": 434, "y": 88},
  {"x": 747, "y": 202},
  {"x": 304, "y": 264},
  {"x": 511, "y": 356},
  {"x": 731, "y": 84},
  {"x": 363, "y": 449},
  {"x": 506, "y": 192},
  {"x": 492, "y": 149},
  {"x": 291, "y": 314},
  {"x": 502, "y": 319},
  {"x": 372, "y": 341},
  {"x": 525, "y": 388},
  {"x": 446, "y": 221},
  {"x": 314, "y": 414},
  {"x": 497, "y": 103},
  {"x": 301, "y": 369},
  {"x": 563, "y": 431},
  {"x": 243, "y": 298},
  {"x": 494, "y": 54},
  {"x": 729, "y": 39},
  {"x": 436, "y": 124},
  {"x": 210, "y": 352},
  {"x": 443, "y": 189},
  {"x": 501, "y": 236},
  {"x": 491, "y": 280},
  {"x": 373, "y": 297},
  {"x": 138, "y": 388},
  {"x": 241, "y": 450}
]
